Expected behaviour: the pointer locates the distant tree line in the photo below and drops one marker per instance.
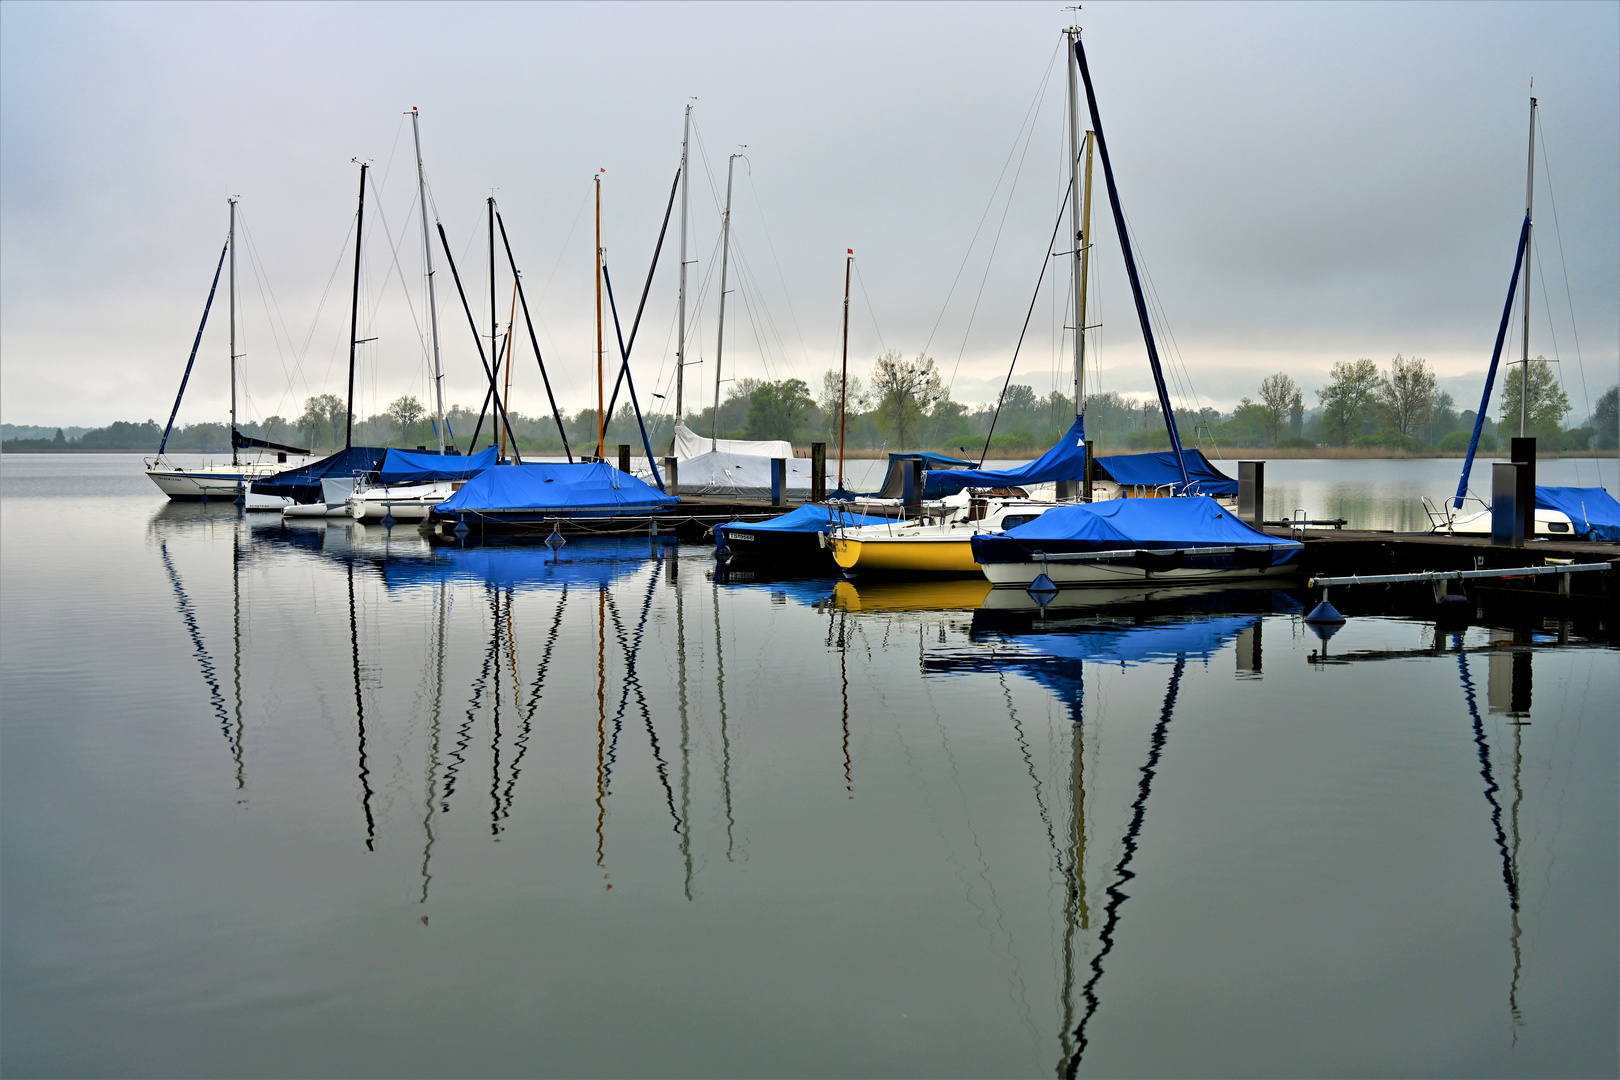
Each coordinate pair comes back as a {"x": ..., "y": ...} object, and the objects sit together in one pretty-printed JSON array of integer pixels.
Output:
[{"x": 903, "y": 404}]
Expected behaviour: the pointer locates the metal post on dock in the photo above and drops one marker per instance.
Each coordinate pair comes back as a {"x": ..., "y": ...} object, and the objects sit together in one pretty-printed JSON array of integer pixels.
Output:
[
  {"x": 1507, "y": 524},
  {"x": 624, "y": 457},
  {"x": 1091, "y": 462},
  {"x": 672, "y": 476},
  {"x": 818, "y": 472},
  {"x": 1252, "y": 492},
  {"x": 1522, "y": 452},
  {"x": 778, "y": 480}
]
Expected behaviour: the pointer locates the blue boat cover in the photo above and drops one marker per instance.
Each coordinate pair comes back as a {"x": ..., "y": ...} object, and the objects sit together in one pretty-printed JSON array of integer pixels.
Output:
[
  {"x": 1065, "y": 461},
  {"x": 304, "y": 484},
  {"x": 1158, "y": 469},
  {"x": 416, "y": 466},
  {"x": 809, "y": 518},
  {"x": 589, "y": 561},
  {"x": 1594, "y": 511},
  {"x": 551, "y": 486},
  {"x": 1186, "y": 521}
]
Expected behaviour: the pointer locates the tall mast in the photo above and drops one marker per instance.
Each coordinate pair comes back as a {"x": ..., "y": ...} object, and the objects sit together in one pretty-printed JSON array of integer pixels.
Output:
[
  {"x": 494, "y": 321},
  {"x": 601, "y": 421},
  {"x": 354, "y": 307},
  {"x": 231, "y": 246},
  {"x": 680, "y": 331},
  {"x": 843, "y": 378},
  {"x": 720, "y": 344},
  {"x": 1529, "y": 228},
  {"x": 427, "y": 254},
  {"x": 1080, "y": 293},
  {"x": 1077, "y": 229}
]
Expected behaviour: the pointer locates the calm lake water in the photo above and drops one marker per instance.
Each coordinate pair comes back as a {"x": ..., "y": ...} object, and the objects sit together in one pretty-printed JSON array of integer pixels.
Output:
[{"x": 329, "y": 801}]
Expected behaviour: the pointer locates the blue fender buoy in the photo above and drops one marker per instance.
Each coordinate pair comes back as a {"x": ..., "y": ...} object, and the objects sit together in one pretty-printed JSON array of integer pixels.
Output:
[
  {"x": 555, "y": 540},
  {"x": 1043, "y": 590},
  {"x": 1325, "y": 614}
]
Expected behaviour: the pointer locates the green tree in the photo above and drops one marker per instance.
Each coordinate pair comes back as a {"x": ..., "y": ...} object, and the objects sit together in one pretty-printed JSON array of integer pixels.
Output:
[
  {"x": 1348, "y": 400},
  {"x": 906, "y": 391},
  {"x": 1546, "y": 404},
  {"x": 405, "y": 412},
  {"x": 1296, "y": 416},
  {"x": 776, "y": 410},
  {"x": 1277, "y": 394},
  {"x": 1407, "y": 397},
  {"x": 1606, "y": 420},
  {"x": 59, "y": 439},
  {"x": 324, "y": 421}
]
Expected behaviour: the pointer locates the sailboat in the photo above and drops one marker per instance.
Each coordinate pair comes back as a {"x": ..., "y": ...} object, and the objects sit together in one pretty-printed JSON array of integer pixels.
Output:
[
  {"x": 1560, "y": 512},
  {"x": 230, "y": 481},
  {"x": 1186, "y": 539}
]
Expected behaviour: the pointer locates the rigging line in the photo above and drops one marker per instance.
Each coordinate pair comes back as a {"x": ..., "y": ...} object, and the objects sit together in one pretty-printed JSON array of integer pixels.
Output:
[
  {"x": 804, "y": 353},
  {"x": 188, "y": 616},
  {"x": 1012, "y": 190},
  {"x": 1552, "y": 332},
  {"x": 314, "y": 322},
  {"x": 752, "y": 295},
  {"x": 1491, "y": 787},
  {"x": 703, "y": 156},
  {"x": 562, "y": 252},
  {"x": 869, "y": 309},
  {"x": 393, "y": 151},
  {"x": 267, "y": 297},
  {"x": 398, "y": 271},
  {"x": 1050, "y": 244},
  {"x": 1574, "y": 329},
  {"x": 1122, "y": 869},
  {"x": 1162, "y": 319},
  {"x": 1040, "y": 91},
  {"x": 457, "y": 755}
]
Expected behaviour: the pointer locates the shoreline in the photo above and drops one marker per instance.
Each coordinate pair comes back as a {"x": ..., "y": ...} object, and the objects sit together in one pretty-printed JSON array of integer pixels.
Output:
[{"x": 1257, "y": 453}]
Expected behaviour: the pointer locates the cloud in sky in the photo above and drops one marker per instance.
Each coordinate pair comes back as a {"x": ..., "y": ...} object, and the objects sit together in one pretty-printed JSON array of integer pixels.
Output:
[{"x": 1306, "y": 183}]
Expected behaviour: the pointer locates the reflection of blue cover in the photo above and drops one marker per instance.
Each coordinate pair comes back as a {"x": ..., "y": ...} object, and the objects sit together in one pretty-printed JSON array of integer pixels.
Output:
[
  {"x": 416, "y": 466},
  {"x": 1190, "y": 521},
  {"x": 1053, "y": 659},
  {"x": 597, "y": 561},
  {"x": 1065, "y": 461},
  {"x": 545, "y": 488},
  {"x": 1158, "y": 469},
  {"x": 304, "y": 484},
  {"x": 1594, "y": 511},
  {"x": 807, "y": 519}
]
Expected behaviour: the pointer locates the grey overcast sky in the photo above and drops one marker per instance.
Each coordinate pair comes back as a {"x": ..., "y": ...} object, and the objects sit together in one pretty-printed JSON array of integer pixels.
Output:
[{"x": 1307, "y": 183}]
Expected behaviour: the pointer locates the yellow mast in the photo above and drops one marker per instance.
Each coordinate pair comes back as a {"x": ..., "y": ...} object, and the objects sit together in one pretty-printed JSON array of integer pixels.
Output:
[
  {"x": 511, "y": 321},
  {"x": 601, "y": 421}
]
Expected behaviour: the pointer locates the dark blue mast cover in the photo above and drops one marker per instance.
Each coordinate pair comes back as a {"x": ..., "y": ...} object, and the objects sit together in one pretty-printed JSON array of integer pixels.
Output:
[
  {"x": 304, "y": 484},
  {"x": 1065, "y": 461},
  {"x": 1159, "y": 469},
  {"x": 1490, "y": 375}
]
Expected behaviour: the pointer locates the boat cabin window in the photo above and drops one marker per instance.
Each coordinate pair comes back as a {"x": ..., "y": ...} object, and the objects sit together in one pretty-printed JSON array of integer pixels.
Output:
[
  {"x": 1012, "y": 521},
  {"x": 1558, "y": 526}
]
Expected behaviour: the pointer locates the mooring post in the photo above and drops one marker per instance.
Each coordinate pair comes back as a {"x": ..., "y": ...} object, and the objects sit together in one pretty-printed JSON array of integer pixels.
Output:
[
  {"x": 1091, "y": 462},
  {"x": 911, "y": 485},
  {"x": 1522, "y": 452},
  {"x": 624, "y": 457},
  {"x": 778, "y": 480},
  {"x": 818, "y": 472},
  {"x": 1507, "y": 524},
  {"x": 1252, "y": 492}
]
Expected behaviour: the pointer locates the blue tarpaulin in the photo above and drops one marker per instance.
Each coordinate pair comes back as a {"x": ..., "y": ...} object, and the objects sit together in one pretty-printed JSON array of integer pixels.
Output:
[
  {"x": 1065, "y": 461},
  {"x": 1159, "y": 469},
  {"x": 807, "y": 519},
  {"x": 546, "y": 488},
  {"x": 1183, "y": 522},
  {"x": 1594, "y": 511},
  {"x": 418, "y": 467},
  {"x": 304, "y": 484}
]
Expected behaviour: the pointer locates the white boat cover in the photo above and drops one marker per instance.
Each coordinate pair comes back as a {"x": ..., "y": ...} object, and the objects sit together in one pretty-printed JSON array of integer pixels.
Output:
[
  {"x": 690, "y": 445},
  {"x": 745, "y": 476}
]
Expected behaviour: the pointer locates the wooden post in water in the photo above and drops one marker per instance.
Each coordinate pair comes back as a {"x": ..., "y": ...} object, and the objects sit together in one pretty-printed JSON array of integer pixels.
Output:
[
  {"x": 818, "y": 472},
  {"x": 672, "y": 476},
  {"x": 1252, "y": 492},
  {"x": 1091, "y": 462},
  {"x": 624, "y": 457}
]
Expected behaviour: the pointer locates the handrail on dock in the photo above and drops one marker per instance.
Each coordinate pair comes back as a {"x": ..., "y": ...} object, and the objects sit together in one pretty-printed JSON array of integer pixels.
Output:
[{"x": 1437, "y": 577}]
